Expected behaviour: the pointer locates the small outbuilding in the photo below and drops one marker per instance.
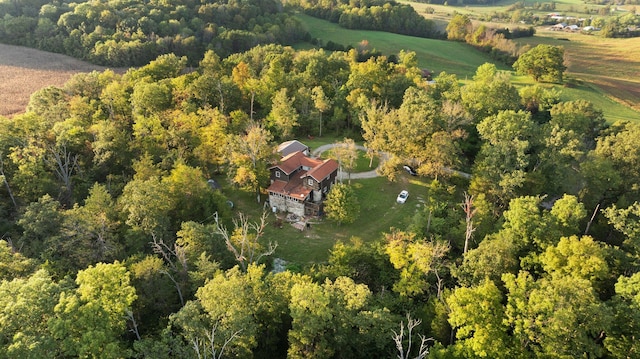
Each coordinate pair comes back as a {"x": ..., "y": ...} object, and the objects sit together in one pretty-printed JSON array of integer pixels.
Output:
[{"x": 289, "y": 147}]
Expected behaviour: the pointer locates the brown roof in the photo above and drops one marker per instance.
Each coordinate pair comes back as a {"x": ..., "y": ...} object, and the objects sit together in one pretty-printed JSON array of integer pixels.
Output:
[
  {"x": 293, "y": 188},
  {"x": 290, "y": 163},
  {"x": 323, "y": 170}
]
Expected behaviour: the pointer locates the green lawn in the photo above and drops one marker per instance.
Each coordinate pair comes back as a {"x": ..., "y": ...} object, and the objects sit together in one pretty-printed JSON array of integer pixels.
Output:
[{"x": 379, "y": 212}]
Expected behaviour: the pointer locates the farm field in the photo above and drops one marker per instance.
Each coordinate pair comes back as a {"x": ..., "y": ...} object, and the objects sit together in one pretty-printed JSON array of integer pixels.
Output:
[{"x": 23, "y": 71}]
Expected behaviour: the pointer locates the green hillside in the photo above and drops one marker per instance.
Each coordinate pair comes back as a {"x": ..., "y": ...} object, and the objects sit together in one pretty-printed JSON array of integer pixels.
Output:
[
  {"x": 463, "y": 60},
  {"x": 436, "y": 55}
]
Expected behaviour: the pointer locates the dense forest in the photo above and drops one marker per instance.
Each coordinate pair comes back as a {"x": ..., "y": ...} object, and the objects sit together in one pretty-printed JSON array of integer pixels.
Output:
[
  {"x": 110, "y": 249},
  {"x": 129, "y": 33},
  {"x": 388, "y": 16},
  {"x": 114, "y": 243}
]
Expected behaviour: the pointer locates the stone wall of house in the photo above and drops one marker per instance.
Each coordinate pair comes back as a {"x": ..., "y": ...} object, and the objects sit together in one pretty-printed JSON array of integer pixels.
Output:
[{"x": 286, "y": 205}]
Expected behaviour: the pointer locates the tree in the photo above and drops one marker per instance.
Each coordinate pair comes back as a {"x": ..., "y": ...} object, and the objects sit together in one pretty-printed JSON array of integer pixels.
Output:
[
  {"x": 560, "y": 316},
  {"x": 579, "y": 257},
  {"x": 416, "y": 259},
  {"x": 489, "y": 93},
  {"x": 543, "y": 63},
  {"x": 478, "y": 318},
  {"x": 41, "y": 223},
  {"x": 283, "y": 116},
  {"x": 501, "y": 168},
  {"x": 341, "y": 204},
  {"x": 243, "y": 240},
  {"x": 249, "y": 155},
  {"x": 622, "y": 340},
  {"x": 321, "y": 103},
  {"x": 26, "y": 306},
  {"x": 346, "y": 153},
  {"x": 458, "y": 27},
  {"x": 90, "y": 320},
  {"x": 244, "y": 309},
  {"x": 334, "y": 319}
]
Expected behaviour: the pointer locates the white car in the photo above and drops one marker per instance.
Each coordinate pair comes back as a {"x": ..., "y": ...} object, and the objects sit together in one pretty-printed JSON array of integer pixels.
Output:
[{"x": 402, "y": 197}]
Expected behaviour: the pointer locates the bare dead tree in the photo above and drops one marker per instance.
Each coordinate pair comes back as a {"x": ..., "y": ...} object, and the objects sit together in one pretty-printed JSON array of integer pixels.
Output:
[
  {"x": 134, "y": 323},
  {"x": 243, "y": 240},
  {"x": 469, "y": 211},
  {"x": 3, "y": 177},
  {"x": 398, "y": 338},
  {"x": 178, "y": 265},
  {"x": 64, "y": 165},
  {"x": 210, "y": 347},
  {"x": 593, "y": 216}
]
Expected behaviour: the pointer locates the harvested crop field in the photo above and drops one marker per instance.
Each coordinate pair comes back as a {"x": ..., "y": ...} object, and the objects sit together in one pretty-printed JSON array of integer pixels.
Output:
[{"x": 24, "y": 71}]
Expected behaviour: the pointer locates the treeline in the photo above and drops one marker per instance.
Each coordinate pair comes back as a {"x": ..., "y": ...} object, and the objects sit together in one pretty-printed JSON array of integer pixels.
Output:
[
  {"x": 125, "y": 33},
  {"x": 386, "y": 16},
  {"x": 495, "y": 42},
  {"x": 115, "y": 244}
]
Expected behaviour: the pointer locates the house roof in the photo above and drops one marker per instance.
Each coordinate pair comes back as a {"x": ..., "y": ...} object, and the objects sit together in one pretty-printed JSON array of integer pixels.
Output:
[
  {"x": 321, "y": 171},
  {"x": 293, "y": 188},
  {"x": 294, "y": 161},
  {"x": 289, "y": 147}
]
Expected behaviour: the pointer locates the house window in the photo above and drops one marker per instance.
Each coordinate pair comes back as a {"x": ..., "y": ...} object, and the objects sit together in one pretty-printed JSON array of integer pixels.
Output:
[
  {"x": 324, "y": 190},
  {"x": 310, "y": 181},
  {"x": 277, "y": 174}
]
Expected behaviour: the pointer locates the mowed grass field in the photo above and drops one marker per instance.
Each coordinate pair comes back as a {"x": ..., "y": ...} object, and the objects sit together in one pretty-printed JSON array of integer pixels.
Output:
[
  {"x": 23, "y": 71},
  {"x": 436, "y": 55}
]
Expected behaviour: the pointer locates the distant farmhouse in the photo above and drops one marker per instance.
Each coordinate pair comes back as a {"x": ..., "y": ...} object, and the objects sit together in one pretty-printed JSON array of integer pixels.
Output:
[{"x": 300, "y": 183}]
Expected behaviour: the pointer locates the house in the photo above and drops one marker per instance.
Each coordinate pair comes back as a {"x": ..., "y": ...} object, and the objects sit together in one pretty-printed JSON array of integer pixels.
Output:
[
  {"x": 289, "y": 147},
  {"x": 300, "y": 183}
]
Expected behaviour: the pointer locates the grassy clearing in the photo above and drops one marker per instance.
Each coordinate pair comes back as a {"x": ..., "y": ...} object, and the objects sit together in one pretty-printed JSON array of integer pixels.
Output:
[
  {"x": 379, "y": 212},
  {"x": 436, "y": 55}
]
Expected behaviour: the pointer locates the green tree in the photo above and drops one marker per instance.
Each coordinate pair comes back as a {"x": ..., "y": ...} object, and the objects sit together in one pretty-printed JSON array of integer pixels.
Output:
[
  {"x": 561, "y": 317},
  {"x": 478, "y": 318},
  {"x": 490, "y": 92},
  {"x": 458, "y": 27},
  {"x": 14, "y": 264},
  {"x": 500, "y": 171},
  {"x": 247, "y": 309},
  {"x": 249, "y": 155},
  {"x": 346, "y": 153},
  {"x": 91, "y": 319},
  {"x": 41, "y": 224},
  {"x": 333, "y": 319},
  {"x": 26, "y": 306},
  {"x": 416, "y": 259},
  {"x": 342, "y": 204},
  {"x": 283, "y": 117},
  {"x": 543, "y": 63},
  {"x": 622, "y": 340}
]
